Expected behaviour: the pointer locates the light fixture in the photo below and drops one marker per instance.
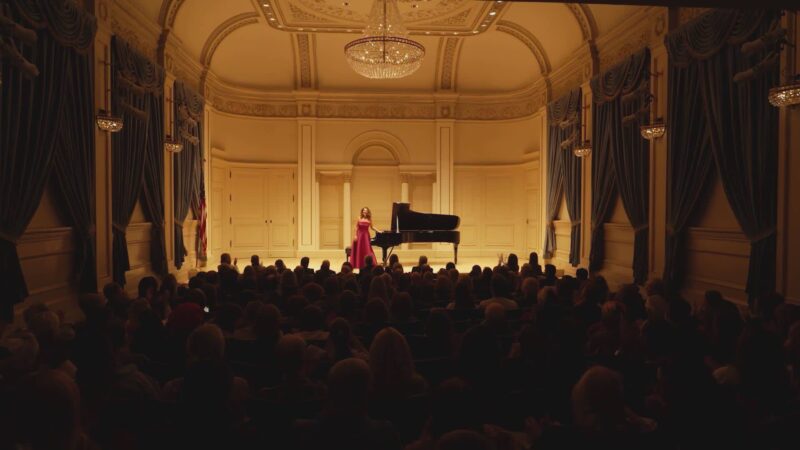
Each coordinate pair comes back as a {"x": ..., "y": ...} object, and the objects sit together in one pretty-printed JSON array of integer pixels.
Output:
[
  {"x": 104, "y": 119},
  {"x": 656, "y": 128},
  {"x": 172, "y": 145},
  {"x": 653, "y": 130},
  {"x": 583, "y": 148},
  {"x": 108, "y": 122},
  {"x": 385, "y": 51},
  {"x": 786, "y": 95}
]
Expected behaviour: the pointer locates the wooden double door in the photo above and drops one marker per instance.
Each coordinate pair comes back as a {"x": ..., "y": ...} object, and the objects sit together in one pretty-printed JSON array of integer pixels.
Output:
[{"x": 262, "y": 212}]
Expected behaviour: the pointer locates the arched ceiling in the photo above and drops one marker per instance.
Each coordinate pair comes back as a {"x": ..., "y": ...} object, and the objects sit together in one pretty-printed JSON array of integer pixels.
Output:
[{"x": 472, "y": 47}]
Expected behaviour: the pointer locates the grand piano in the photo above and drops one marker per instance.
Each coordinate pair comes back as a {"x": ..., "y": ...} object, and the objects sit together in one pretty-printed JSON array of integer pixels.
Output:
[{"x": 411, "y": 226}]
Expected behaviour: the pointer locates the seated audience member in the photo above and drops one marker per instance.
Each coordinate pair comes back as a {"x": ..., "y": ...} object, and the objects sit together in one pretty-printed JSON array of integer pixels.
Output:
[
  {"x": 255, "y": 263},
  {"x": 117, "y": 299},
  {"x": 450, "y": 266},
  {"x": 345, "y": 423},
  {"x": 304, "y": 263},
  {"x": 394, "y": 259},
  {"x": 392, "y": 367},
  {"x": 402, "y": 312},
  {"x": 549, "y": 275},
  {"x": 582, "y": 275},
  {"x": 513, "y": 262},
  {"x": 324, "y": 272},
  {"x": 529, "y": 291},
  {"x": 280, "y": 266},
  {"x": 463, "y": 296},
  {"x": 533, "y": 260},
  {"x": 312, "y": 323},
  {"x": 148, "y": 287},
  {"x": 225, "y": 263},
  {"x": 501, "y": 293},
  {"x": 291, "y": 353},
  {"x": 495, "y": 319},
  {"x": 656, "y": 300},
  {"x": 421, "y": 264},
  {"x": 441, "y": 335},
  {"x": 342, "y": 343},
  {"x": 47, "y": 414},
  {"x": 443, "y": 290}
]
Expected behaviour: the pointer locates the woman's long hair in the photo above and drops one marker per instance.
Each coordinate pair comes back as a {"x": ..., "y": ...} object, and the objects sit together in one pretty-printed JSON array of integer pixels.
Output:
[{"x": 368, "y": 215}]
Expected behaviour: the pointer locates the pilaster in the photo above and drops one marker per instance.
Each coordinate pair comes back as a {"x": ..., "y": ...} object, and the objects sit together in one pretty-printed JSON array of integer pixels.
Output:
[
  {"x": 658, "y": 164},
  {"x": 102, "y": 185}
]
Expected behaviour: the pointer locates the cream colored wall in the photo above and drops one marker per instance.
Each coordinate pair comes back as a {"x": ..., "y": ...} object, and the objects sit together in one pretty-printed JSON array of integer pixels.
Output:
[
  {"x": 253, "y": 139},
  {"x": 334, "y": 138},
  {"x": 497, "y": 142}
]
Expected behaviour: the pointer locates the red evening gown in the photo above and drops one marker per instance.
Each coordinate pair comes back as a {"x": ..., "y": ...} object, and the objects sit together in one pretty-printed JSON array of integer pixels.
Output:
[{"x": 361, "y": 247}]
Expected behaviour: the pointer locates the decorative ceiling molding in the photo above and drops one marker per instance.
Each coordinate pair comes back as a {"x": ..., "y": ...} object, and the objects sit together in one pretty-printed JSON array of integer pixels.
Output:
[
  {"x": 222, "y": 31},
  {"x": 305, "y": 60},
  {"x": 435, "y": 18},
  {"x": 169, "y": 11},
  {"x": 530, "y": 41},
  {"x": 219, "y": 34},
  {"x": 447, "y": 64},
  {"x": 583, "y": 15}
]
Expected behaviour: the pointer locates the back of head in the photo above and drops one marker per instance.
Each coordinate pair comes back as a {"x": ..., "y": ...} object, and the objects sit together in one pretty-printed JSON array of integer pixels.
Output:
[
  {"x": 597, "y": 400},
  {"x": 148, "y": 286},
  {"x": 533, "y": 259},
  {"x": 500, "y": 286},
  {"x": 206, "y": 343},
  {"x": 402, "y": 307},
  {"x": 440, "y": 326},
  {"x": 304, "y": 261},
  {"x": 290, "y": 352},
  {"x": 550, "y": 271},
  {"x": 495, "y": 313},
  {"x": 464, "y": 440},
  {"x": 326, "y": 265},
  {"x": 423, "y": 261},
  {"x": 464, "y": 297},
  {"x": 225, "y": 258},
  {"x": 268, "y": 322},
  {"x": 390, "y": 359},
  {"x": 513, "y": 262},
  {"x": 313, "y": 292},
  {"x": 375, "y": 312},
  {"x": 582, "y": 274},
  {"x": 48, "y": 411},
  {"x": 312, "y": 319},
  {"x": 255, "y": 261},
  {"x": 348, "y": 387}
]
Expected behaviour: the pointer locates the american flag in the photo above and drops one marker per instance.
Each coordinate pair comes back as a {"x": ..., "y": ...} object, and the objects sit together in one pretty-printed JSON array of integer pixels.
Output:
[{"x": 202, "y": 240}]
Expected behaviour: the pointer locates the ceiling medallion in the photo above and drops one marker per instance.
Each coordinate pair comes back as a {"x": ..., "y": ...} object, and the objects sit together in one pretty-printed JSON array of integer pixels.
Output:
[{"x": 385, "y": 51}]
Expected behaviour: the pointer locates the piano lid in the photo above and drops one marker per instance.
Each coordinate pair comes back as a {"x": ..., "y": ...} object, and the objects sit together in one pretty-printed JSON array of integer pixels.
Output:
[{"x": 404, "y": 219}]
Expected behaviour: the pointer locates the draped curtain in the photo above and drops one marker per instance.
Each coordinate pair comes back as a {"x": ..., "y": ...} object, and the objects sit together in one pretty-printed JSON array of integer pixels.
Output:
[
  {"x": 188, "y": 166},
  {"x": 153, "y": 187},
  {"x": 564, "y": 170},
  {"x": 736, "y": 125},
  {"x": 621, "y": 102},
  {"x": 134, "y": 79},
  {"x": 32, "y": 113}
]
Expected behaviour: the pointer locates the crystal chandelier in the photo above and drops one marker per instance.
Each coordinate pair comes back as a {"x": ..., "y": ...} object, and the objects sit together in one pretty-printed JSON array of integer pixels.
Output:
[
  {"x": 107, "y": 122},
  {"x": 583, "y": 149},
  {"x": 654, "y": 130},
  {"x": 786, "y": 95},
  {"x": 385, "y": 51},
  {"x": 172, "y": 145}
]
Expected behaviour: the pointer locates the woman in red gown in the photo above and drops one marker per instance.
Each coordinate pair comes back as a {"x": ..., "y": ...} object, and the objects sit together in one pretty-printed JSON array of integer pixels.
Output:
[{"x": 361, "y": 247}]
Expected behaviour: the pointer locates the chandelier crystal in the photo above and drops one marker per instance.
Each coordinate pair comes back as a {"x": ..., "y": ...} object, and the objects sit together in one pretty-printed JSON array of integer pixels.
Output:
[
  {"x": 385, "y": 51},
  {"x": 583, "y": 149},
  {"x": 107, "y": 122},
  {"x": 172, "y": 145},
  {"x": 654, "y": 130},
  {"x": 787, "y": 95}
]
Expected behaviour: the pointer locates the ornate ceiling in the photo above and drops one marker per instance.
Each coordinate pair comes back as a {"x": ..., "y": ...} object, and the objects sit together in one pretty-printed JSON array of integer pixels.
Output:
[{"x": 486, "y": 51}]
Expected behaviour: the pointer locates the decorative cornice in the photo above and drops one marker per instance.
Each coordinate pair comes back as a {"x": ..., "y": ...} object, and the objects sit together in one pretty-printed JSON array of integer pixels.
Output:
[
  {"x": 644, "y": 28},
  {"x": 305, "y": 69},
  {"x": 222, "y": 31},
  {"x": 169, "y": 11}
]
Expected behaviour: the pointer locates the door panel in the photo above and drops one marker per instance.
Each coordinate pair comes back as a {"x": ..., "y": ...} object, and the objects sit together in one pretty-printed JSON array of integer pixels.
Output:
[
  {"x": 248, "y": 211},
  {"x": 281, "y": 212},
  {"x": 533, "y": 237}
]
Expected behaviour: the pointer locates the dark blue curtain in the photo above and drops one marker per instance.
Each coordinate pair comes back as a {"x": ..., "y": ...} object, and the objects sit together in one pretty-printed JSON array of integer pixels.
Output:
[
  {"x": 188, "y": 166},
  {"x": 564, "y": 170},
  {"x": 152, "y": 197},
  {"x": 734, "y": 128},
  {"x": 33, "y": 109},
  {"x": 134, "y": 80},
  {"x": 621, "y": 106}
]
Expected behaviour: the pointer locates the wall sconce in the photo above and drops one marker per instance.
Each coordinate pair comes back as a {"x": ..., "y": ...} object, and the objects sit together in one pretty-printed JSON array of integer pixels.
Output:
[
  {"x": 104, "y": 119},
  {"x": 584, "y": 148},
  {"x": 786, "y": 95},
  {"x": 656, "y": 128},
  {"x": 172, "y": 145}
]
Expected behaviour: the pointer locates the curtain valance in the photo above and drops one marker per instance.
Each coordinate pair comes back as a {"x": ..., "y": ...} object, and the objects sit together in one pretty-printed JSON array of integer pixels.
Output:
[
  {"x": 707, "y": 34},
  {"x": 67, "y": 22},
  {"x": 624, "y": 78},
  {"x": 134, "y": 71}
]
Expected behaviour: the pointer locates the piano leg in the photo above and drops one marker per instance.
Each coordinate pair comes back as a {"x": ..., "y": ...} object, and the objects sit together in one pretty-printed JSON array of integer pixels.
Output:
[
  {"x": 383, "y": 254},
  {"x": 455, "y": 253}
]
